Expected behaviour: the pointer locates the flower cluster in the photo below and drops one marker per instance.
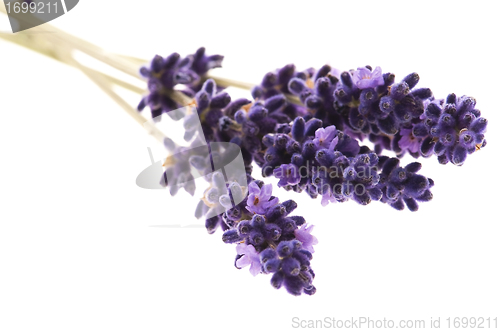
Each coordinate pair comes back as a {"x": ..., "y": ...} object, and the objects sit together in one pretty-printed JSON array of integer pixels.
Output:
[
  {"x": 209, "y": 104},
  {"x": 333, "y": 165},
  {"x": 271, "y": 241},
  {"x": 364, "y": 102},
  {"x": 402, "y": 185},
  {"x": 164, "y": 74},
  {"x": 257, "y": 120},
  {"x": 317, "y": 95},
  {"x": 304, "y": 128},
  {"x": 277, "y": 83},
  {"x": 450, "y": 129}
]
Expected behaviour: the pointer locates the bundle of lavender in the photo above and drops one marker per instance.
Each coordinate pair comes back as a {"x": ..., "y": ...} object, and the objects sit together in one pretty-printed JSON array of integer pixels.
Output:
[{"x": 304, "y": 128}]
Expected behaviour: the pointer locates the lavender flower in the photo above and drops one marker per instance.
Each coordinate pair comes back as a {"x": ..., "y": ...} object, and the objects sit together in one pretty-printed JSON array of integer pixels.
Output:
[
  {"x": 259, "y": 199},
  {"x": 288, "y": 175},
  {"x": 303, "y": 234},
  {"x": 328, "y": 197},
  {"x": 326, "y": 138},
  {"x": 364, "y": 78},
  {"x": 248, "y": 256},
  {"x": 408, "y": 141}
]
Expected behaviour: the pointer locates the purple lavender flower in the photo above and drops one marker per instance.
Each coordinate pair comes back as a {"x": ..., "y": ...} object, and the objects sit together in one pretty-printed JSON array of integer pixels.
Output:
[
  {"x": 408, "y": 141},
  {"x": 259, "y": 200},
  {"x": 363, "y": 78},
  {"x": 288, "y": 175},
  {"x": 202, "y": 63},
  {"x": 250, "y": 256},
  {"x": 327, "y": 198},
  {"x": 303, "y": 234},
  {"x": 326, "y": 138}
]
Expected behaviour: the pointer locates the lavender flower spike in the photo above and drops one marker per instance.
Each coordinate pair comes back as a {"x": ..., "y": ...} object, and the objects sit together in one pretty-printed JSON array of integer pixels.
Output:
[
  {"x": 259, "y": 199},
  {"x": 363, "y": 78}
]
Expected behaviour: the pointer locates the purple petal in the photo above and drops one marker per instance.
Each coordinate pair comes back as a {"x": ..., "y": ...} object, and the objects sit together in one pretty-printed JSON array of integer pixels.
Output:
[
  {"x": 295, "y": 178},
  {"x": 251, "y": 199},
  {"x": 255, "y": 268},
  {"x": 253, "y": 188},
  {"x": 280, "y": 172},
  {"x": 304, "y": 236},
  {"x": 251, "y": 257},
  {"x": 320, "y": 133},
  {"x": 363, "y": 78},
  {"x": 243, "y": 261},
  {"x": 365, "y": 84},
  {"x": 242, "y": 249},
  {"x": 359, "y": 74},
  {"x": 377, "y": 72},
  {"x": 330, "y": 132},
  {"x": 282, "y": 182},
  {"x": 325, "y": 199},
  {"x": 266, "y": 191},
  {"x": 255, "y": 209},
  {"x": 333, "y": 144},
  {"x": 268, "y": 204}
]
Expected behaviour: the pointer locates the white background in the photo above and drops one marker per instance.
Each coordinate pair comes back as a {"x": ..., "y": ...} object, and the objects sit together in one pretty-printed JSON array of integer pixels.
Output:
[{"x": 77, "y": 250}]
